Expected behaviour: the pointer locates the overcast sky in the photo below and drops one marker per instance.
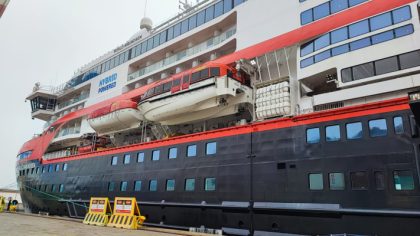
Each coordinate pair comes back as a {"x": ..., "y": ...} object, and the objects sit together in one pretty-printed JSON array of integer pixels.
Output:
[{"x": 46, "y": 41}]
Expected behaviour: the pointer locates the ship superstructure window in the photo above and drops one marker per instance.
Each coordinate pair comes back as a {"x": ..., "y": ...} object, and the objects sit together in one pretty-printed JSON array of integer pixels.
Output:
[
  {"x": 140, "y": 157},
  {"x": 210, "y": 184},
  {"x": 378, "y": 128},
  {"x": 332, "y": 133},
  {"x": 37, "y": 170},
  {"x": 313, "y": 135},
  {"x": 127, "y": 159},
  {"x": 65, "y": 167},
  {"x": 189, "y": 185},
  {"x": 153, "y": 185},
  {"x": 44, "y": 169},
  {"x": 53, "y": 188},
  {"x": 50, "y": 168},
  {"x": 111, "y": 186},
  {"x": 337, "y": 181},
  {"x": 316, "y": 181},
  {"x": 359, "y": 28},
  {"x": 172, "y": 153},
  {"x": 380, "y": 181},
  {"x": 170, "y": 185},
  {"x": 191, "y": 150},
  {"x": 359, "y": 180},
  {"x": 398, "y": 125},
  {"x": 354, "y": 130},
  {"x": 114, "y": 160},
  {"x": 57, "y": 168},
  {"x": 211, "y": 148},
  {"x": 401, "y": 14},
  {"x": 123, "y": 186},
  {"x": 403, "y": 180},
  {"x": 155, "y": 155},
  {"x": 137, "y": 186},
  {"x": 61, "y": 188},
  {"x": 381, "y": 21}
]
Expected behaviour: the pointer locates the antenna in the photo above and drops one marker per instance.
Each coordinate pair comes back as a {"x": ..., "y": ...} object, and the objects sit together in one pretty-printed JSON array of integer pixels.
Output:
[
  {"x": 145, "y": 8},
  {"x": 184, "y": 5}
]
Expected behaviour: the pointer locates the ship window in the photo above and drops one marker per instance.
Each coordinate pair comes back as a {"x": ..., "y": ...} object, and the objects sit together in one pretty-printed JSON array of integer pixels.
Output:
[
  {"x": 211, "y": 148},
  {"x": 378, "y": 128},
  {"x": 45, "y": 188},
  {"x": 170, "y": 34},
  {"x": 140, "y": 157},
  {"x": 363, "y": 71},
  {"x": 313, "y": 135},
  {"x": 339, "y": 35},
  {"x": 306, "y": 17},
  {"x": 307, "y": 62},
  {"x": 337, "y": 181},
  {"x": 153, "y": 185},
  {"x": 398, "y": 125},
  {"x": 356, "y": 2},
  {"x": 209, "y": 13},
  {"x": 162, "y": 37},
  {"x": 57, "y": 168},
  {"x": 362, "y": 43},
  {"x": 201, "y": 17},
  {"x": 123, "y": 186},
  {"x": 218, "y": 9},
  {"x": 44, "y": 169},
  {"x": 65, "y": 167},
  {"x": 359, "y": 28},
  {"x": 322, "y": 11},
  {"x": 339, "y": 5},
  {"x": 227, "y": 5},
  {"x": 137, "y": 186},
  {"x": 210, "y": 184},
  {"x": 359, "y": 180},
  {"x": 195, "y": 76},
  {"x": 186, "y": 79},
  {"x": 189, "y": 185},
  {"x": 410, "y": 60},
  {"x": 379, "y": 180},
  {"x": 307, "y": 48},
  {"x": 184, "y": 26},
  {"x": 170, "y": 185},
  {"x": 382, "y": 37},
  {"x": 322, "y": 42},
  {"x": 237, "y": 2},
  {"x": 149, "y": 44},
  {"x": 354, "y": 130},
  {"x": 50, "y": 168},
  {"x": 340, "y": 50},
  {"x": 316, "y": 181},
  {"x": 176, "y": 82},
  {"x": 403, "y": 31},
  {"x": 156, "y": 41},
  {"x": 158, "y": 89},
  {"x": 172, "y": 153},
  {"x": 155, "y": 155},
  {"x": 381, "y": 21},
  {"x": 61, "y": 188},
  {"x": 114, "y": 161},
  {"x": 204, "y": 74},
  {"x": 214, "y": 71},
  {"x": 401, "y": 14},
  {"x": 37, "y": 170},
  {"x": 403, "y": 180},
  {"x": 332, "y": 133},
  {"x": 111, "y": 186},
  {"x": 192, "y": 22},
  {"x": 144, "y": 47},
  {"x": 167, "y": 87},
  {"x": 322, "y": 56},
  {"x": 192, "y": 151},
  {"x": 127, "y": 159},
  {"x": 386, "y": 65}
]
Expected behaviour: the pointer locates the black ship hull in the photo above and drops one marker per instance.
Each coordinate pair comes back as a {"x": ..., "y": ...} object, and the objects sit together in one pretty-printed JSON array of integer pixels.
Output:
[{"x": 260, "y": 181}]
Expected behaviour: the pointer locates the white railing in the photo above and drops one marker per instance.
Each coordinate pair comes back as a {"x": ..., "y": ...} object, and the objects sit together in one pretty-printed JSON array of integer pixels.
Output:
[
  {"x": 73, "y": 101},
  {"x": 57, "y": 154}
]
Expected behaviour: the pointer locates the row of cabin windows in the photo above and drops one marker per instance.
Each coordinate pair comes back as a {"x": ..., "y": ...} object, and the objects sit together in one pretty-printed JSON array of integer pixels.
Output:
[
  {"x": 211, "y": 149},
  {"x": 189, "y": 185},
  {"x": 44, "y": 169},
  {"x": 377, "y": 128},
  {"x": 359, "y": 180},
  {"x": 53, "y": 188},
  {"x": 356, "y": 29},
  {"x": 326, "y": 9}
]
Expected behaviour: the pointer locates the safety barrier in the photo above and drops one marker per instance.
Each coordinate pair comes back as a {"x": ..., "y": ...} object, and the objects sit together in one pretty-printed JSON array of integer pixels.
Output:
[
  {"x": 2, "y": 204},
  {"x": 99, "y": 211},
  {"x": 126, "y": 214}
]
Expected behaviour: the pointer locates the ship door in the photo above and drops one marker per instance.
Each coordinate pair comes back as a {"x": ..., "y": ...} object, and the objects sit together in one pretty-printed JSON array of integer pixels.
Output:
[{"x": 186, "y": 82}]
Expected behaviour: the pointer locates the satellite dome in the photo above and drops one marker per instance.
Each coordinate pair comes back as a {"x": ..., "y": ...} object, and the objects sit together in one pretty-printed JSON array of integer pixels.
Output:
[{"x": 146, "y": 23}]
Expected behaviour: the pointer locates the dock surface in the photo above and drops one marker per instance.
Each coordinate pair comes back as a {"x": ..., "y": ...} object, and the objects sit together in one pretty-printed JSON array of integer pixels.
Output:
[{"x": 23, "y": 224}]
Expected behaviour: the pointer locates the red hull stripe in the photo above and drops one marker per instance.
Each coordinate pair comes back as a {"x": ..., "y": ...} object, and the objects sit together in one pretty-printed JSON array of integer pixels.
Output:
[{"x": 339, "y": 114}]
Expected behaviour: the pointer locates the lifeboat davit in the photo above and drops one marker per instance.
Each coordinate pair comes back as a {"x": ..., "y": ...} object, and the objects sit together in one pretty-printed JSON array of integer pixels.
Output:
[{"x": 116, "y": 117}]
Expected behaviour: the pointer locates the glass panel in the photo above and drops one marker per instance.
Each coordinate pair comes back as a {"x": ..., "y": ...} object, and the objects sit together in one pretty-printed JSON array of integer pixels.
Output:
[
  {"x": 354, "y": 130},
  {"x": 127, "y": 158},
  {"x": 306, "y": 49},
  {"x": 211, "y": 148},
  {"x": 316, "y": 182},
  {"x": 218, "y": 9},
  {"x": 322, "y": 11},
  {"x": 210, "y": 184},
  {"x": 189, "y": 184},
  {"x": 144, "y": 46},
  {"x": 201, "y": 17},
  {"x": 137, "y": 186},
  {"x": 322, "y": 42},
  {"x": 153, "y": 185},
  {"x": 401, "y": 14},
  {"x": 237, "y": 2},
  {"x": 359, "y": 28},
  {"x": 140, "y": 157},
  {"x": 123, "y": 187},
  {"x": 184, "y": 26},
  {"x": 339, "y": 35},
  {"x": 378, "y": 128},
  {"x": 382, "y": 37},
  {"x": 332, "y": 133},
  {"x": 50, "y": 168},
  {"x": 363, "y": 71},
  {"x": 340, "y": 50},
  {"x": 227, "y": 5},
  {"x": 362, "y": 43},
  {"x": 403, "y": 180},
  {"x": 170, "y": 34},
  {"x": 313, "y": 135},
  {"x": 410, "y": 60},
  {"x": 322, "y": 56},
  {"x": 379, "y": 180},
  {"x": 177, "y": 30},
  {"x": 57, "y": 168},
  {"x": 337, "y": 181},
  {"x": 149, "y": 44},
  {"x": 192, "y": 151},
  {"x": 381, "y": 21},
  {"x": 339, "y": 5},
  {"x": 356, "y": 2},
  {"x": 162, "y": 37},
  {"x": 65, "y": 167},
  {"x": 386, "y": 65},
  {"x": 306, "y": 17},
  {"x": 111, "y": 186},
  {"x": 403, "y": 31},
  {"x": 307, "y": 62},
  {"x": 398, "y": 125},
  {"x": 192, "y": 22},
  {"x": 155, "y": 155},
  {"x": 61, "y": 188},
  {"x": 359, "y": 180},
  {"x": 170, "y": 185},
  {"x": 209, "y": 13},
  {"x": 172, "y": 153}
]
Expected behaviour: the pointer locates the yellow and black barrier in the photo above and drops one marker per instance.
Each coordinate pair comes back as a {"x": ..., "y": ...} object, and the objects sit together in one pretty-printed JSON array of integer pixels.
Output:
[
  {"x": 2, "y": 204},
  {"x": 126, "y": 214},
  {"x": 99, "y": 211}
]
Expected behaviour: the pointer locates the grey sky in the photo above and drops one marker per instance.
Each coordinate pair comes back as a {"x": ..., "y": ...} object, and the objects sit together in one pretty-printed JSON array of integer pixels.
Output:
[{"x": 46, "y": 41}]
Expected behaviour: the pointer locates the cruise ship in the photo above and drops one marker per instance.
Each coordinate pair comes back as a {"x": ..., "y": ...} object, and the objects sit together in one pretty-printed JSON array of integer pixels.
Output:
[{"x": 257, "y": 117}]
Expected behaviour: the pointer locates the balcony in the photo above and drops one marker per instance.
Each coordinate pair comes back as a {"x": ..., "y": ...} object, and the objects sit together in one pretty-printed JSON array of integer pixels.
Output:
[{"x": 72, "y": 101}]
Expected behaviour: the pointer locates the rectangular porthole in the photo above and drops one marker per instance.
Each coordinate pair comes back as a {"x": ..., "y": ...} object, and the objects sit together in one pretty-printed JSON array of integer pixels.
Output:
[
  {"x": 137, "y": 186},
  {"x": 313, "y": 135},
  {"x": 210, "y": 184},
  {"x": 170, "y": 185},
  {"x": 403, "y": 180},
  {"x": 114, "y": 161},
  {"x": 127, "y": 159},
  {"x": 337, "y": 181},
  {"x": 354, "y": 130},
  {"x": 172, "y": 153},
  {"x": 359, "y": 180},
  {"x": 153, "y": 185},
  {"x": 378, "y": 128},
  {"x": 191, "y": 150},
  {"x": 316, "y": 181},
  {"x": 189, "y": 185},
  {"x": 140, "y": 157},
  {"x": 155, "y": 155},
  {"x": 111, "y": 186},
  {"x": 211, "y": 148},
  {"x": 398, "y": 125},
  {"x": 123, "y": 186},
  {"x": 332, "y": 133}
]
